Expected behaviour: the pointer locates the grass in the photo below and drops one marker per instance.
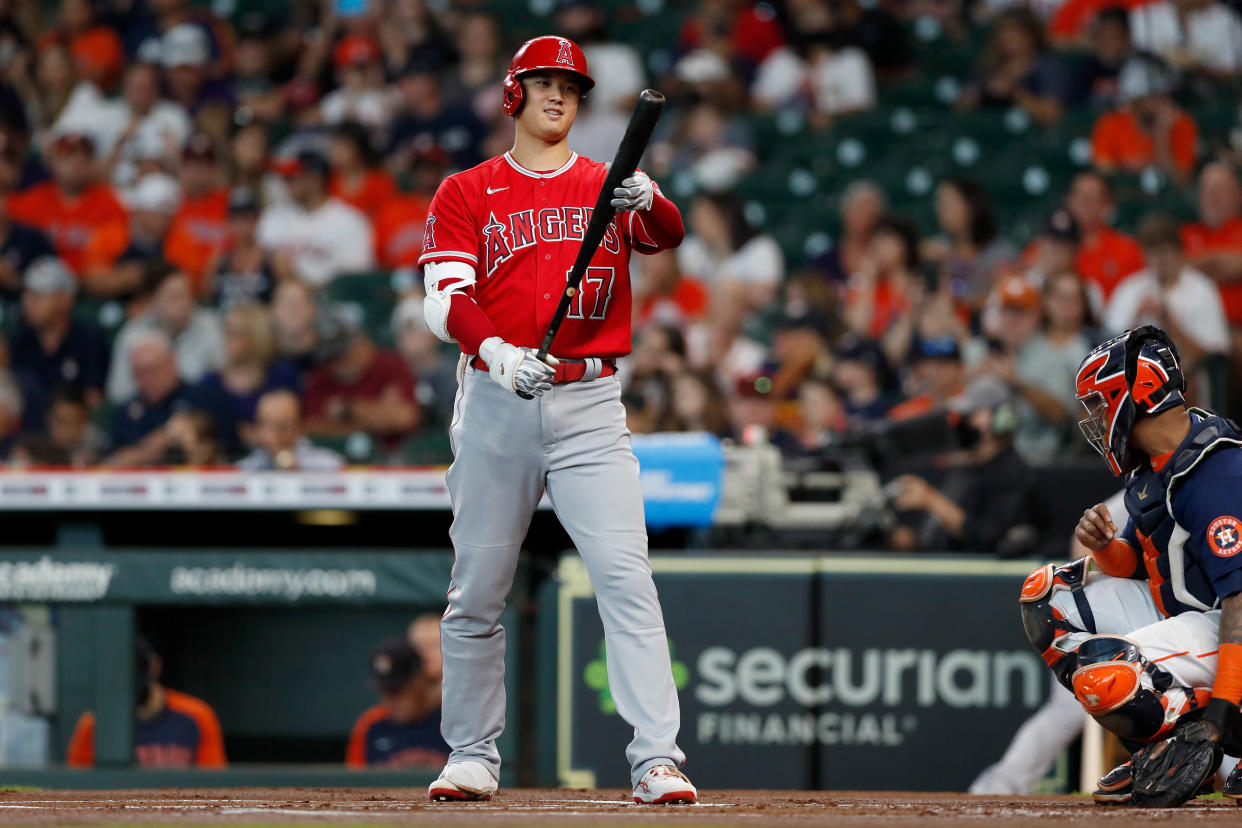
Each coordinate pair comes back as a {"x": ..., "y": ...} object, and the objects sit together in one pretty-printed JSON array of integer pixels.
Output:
[{"x": 19, "y": 788}]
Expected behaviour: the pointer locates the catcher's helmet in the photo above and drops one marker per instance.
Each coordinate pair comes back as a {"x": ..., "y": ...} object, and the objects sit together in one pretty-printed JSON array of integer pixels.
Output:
[
  {"x": 547, "y": 52},
  {"x": 1136, "y": 374}
]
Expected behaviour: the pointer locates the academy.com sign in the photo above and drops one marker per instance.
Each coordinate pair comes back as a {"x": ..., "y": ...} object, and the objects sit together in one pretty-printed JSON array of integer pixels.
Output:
[
  {"x": 240, "y": 580},
  {"x": 50, "y": 580},
  {"x": 848, "y": 697}
]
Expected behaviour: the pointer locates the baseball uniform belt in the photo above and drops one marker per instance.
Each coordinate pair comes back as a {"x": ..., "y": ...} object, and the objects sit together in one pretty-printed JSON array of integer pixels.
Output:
[{"x": 572, "y": 370}]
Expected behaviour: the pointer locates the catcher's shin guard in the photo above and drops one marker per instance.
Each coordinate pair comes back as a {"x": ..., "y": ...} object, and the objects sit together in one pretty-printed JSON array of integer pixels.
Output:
[
  {"x": 1129, "y": 695},
  {"x": 1045, "y": 625}
]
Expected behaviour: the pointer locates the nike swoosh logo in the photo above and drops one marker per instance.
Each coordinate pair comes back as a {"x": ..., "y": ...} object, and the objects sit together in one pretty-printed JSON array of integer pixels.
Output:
[{"x": 496, "y": 190}]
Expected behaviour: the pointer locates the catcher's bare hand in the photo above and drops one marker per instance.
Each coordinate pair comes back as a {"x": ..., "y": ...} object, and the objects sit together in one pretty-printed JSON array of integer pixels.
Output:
[{"x": 1096, "y": 528}]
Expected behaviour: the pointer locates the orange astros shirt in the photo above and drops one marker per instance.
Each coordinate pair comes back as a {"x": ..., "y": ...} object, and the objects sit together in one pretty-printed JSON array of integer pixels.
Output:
[
  {"x": 1117, "y": 141},
  {"x": 198, "y": 232},
  {"x": 1200, "y": 240},
  {"x": 69, "y": 222},
  {"x": 1111, "y": 257},
  {"x": 377, "y": 187},
  {"x": 186, "y": 733},
  {"x": 399, "y": 230}
]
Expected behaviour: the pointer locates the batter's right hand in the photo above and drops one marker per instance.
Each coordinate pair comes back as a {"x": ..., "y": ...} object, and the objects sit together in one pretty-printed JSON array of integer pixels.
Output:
[
  {"x": 1096, "y": 528},
  {"x": 517, "y": 369}
]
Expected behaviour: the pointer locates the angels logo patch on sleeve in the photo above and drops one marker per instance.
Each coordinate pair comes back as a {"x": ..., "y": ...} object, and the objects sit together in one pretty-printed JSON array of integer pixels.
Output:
[{"x": 1224, "y": 536}]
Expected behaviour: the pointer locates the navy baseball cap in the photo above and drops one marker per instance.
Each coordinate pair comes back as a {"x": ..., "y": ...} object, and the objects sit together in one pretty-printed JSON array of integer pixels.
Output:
[{"x": 393, "y": 664}]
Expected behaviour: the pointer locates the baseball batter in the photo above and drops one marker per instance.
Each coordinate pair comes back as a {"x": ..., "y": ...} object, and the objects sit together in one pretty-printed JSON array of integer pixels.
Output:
[
  {"x": 1153, "y": 648},
  {"x": 499, "y": 244}
]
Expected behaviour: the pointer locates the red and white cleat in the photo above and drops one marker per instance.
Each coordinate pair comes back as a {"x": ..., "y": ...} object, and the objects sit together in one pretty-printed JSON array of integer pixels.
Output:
[
  {"x": 665, "y": 785},
  {"x": 463, "y": 782}
]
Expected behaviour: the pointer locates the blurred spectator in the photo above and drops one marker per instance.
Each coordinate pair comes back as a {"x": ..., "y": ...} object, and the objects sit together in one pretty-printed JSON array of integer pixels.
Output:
[
  {"x": 985, "y": 502},
  {"x": 68, "y": 439},
  {"x": 96, "y": 49},
  {"x": 821, "y": 415},
  {"x": 20, "y": 246},
  {"x": 200, "y": 228},
  {"x": 193, "y": 440},
  {"x": 815, "y": 70},
  {"x": 969, "y": 250},
  {"x": 738, "y": 29},
  {"x": 723, "y": 249},
  {"x": 1095, "y": 83},
  {"x": 171, "y": 729},
  {"x": 118, "y": 252},
  {"x": 138, "y": 436},
  {"x": 357, "y": 385},
  {"x": 1213, "y": 244},
  {"x": 361, "y": 95},
  {"x": 480, "y": 64},
  {"x": 697, "y": 404},
  {"x": 435, "y": 373},
  {"x": 1106, "y": 256},
  {"x": 658, "y": 358},
  {"x": 664, "y": 295},
  {"x": 1201, "y": 35},
  {"x": 617, "y": 67},
  {"x": 11, "y": 402},
  {"x": 799, "y": 346},
  {"x": 1171, "y": 294},
  {"x": 1019, "y": 70},
  {"x": 709, "y": 141},
  {"x": 250, "y": 370},
  {"x": 293, "y": 311},
  {"x": 357, "y": 179},
  {"x": 861, "y": 376},
  {"x": 411, "y": 27},
  {"x": 71, "y": 207},
  {"x": 316, "y": 237},
  {"x": 936, "y": 375},
  {"x": 1148, "y": 129},
  {"x": 185, "y": 54},
  {"x": 137, "y": 124},
  {"x": 1072, "y": 20},
  {"x": 250, "y": 167},
  {"x": 887, "y": 284},
  {"x": 399, "y": 225},
  {"x": 242, "y": 271},
  {"x": 1039, "y": 343},
  {"x": 48, "y": 94},
  {"x": 403, "y": 730},
  {"x": 862, "y": 205},
  {"x": 50, "y": 347},
  {"x": 425, "y": 118},
  {"x": 878, "y": 32},
  {"x": 193, "y": 332},
  {"x": 253, "y": 81},
  {"x": 279, "y": 442},
  {"x": 1056, "y": 248}
]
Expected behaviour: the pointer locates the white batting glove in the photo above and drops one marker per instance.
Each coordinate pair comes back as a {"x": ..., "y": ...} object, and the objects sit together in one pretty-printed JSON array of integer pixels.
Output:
[
  {"x": 517, "y": 369},
  {"x": 635, "y": 193}
]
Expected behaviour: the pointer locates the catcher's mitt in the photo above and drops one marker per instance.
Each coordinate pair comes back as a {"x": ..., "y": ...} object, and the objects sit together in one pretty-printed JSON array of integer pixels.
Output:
[{"x": 1169, "y": 773}]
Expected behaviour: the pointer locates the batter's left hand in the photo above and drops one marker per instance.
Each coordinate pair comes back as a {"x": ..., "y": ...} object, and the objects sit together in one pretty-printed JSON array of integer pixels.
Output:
[{"x": 635, "y": 193}]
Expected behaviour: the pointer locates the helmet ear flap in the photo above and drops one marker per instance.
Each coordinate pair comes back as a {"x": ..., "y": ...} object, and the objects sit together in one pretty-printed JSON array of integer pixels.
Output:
[
  {"x": 512, "y": 95},
  {"x": 1171, "y": 361}
]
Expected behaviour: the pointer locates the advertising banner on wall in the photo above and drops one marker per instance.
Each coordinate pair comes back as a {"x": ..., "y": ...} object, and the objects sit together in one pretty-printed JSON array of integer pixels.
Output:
[{"x": 829, "y": 673}]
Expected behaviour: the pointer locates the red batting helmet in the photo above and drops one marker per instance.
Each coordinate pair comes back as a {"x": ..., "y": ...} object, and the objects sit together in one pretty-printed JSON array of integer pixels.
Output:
[
  {"x": 547, "y": 52},
  {"x": 1136, "y": 374}
]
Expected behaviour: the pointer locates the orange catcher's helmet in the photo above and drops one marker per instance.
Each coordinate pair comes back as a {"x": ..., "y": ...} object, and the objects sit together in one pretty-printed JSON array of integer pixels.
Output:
[{"x": 547, "y": 52}]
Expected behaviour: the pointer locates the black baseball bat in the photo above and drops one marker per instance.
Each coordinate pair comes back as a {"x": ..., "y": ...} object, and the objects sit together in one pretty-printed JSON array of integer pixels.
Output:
[{"x": 633, "y": 145}]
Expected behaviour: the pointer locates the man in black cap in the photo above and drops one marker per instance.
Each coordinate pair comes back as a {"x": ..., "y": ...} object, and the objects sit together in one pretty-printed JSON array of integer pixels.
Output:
[
  {"x": 1056, "y": 248},
  {"x": 243, "y": 273},
  {"x": 404, "y": 728},
  {"x": 316, "y": 237},
  {"x": 862, "y": 378}
]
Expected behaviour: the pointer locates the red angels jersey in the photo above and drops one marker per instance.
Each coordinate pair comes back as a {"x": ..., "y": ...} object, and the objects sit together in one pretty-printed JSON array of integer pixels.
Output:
[{"x": 521, "y": 230}]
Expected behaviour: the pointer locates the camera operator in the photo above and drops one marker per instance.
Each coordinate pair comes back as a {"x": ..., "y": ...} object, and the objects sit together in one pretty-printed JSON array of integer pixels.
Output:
[{"x": 984, "y": 502}]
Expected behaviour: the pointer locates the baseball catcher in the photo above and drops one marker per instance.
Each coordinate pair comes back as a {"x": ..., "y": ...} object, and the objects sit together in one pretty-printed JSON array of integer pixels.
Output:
[{"x": 1151, "y": 645}]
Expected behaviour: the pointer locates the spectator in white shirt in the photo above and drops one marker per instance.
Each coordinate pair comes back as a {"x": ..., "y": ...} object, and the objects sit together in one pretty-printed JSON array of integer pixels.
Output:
[
  {"x": 723, "y": 251},
  {"x": 1190, "y": 34},
  {"x": 1171, "y": 294},
  {"x": 194, "y": 333},
  {"x": 315, "y": 237},
  {"x": 139, "y": 125}
]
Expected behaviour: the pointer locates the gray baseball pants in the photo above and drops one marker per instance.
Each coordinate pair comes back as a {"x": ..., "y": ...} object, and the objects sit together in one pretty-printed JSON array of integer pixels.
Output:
[{"x": 572, "y": 442}]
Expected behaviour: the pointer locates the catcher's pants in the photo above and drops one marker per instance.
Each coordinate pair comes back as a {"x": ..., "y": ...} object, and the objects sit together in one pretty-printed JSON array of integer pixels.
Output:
[
  {"x": 572, "y": 442},
  {"x": 1184, "y": 645}
]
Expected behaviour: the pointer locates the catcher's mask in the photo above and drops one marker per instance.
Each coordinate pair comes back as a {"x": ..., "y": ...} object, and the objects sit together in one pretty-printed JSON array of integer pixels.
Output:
[{"x": 1137, "y": 374}]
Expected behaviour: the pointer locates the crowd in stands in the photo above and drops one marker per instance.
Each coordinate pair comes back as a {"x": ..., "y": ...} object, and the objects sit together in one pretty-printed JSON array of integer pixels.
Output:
[{"x": 210, "y": 216}]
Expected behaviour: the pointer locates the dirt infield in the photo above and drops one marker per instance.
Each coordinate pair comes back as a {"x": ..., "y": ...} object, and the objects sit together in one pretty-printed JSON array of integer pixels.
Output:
[{"x": 364, "y": 806}]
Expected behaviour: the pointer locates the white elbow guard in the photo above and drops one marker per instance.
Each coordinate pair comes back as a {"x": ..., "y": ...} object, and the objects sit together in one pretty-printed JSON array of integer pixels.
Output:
[
  {"x": 436, "y": 306},
  {"x": 437, "y": 302}
]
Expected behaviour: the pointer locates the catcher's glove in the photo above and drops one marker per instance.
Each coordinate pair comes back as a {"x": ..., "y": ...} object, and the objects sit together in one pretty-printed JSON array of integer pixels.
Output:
[{"x": 1169, "y": 773}]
